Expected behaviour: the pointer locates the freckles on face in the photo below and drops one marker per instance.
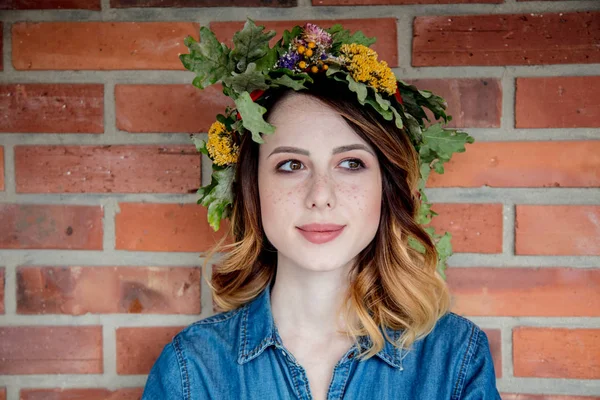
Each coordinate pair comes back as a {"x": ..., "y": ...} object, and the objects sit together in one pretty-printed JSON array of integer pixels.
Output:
[{"x": 316, "y": 169}]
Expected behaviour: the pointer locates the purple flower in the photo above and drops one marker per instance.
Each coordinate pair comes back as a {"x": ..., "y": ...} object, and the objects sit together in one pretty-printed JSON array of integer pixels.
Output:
[{"x": 288, "y": 60}]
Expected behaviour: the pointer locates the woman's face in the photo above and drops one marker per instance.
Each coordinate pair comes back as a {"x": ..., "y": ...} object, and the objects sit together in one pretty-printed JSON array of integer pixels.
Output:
[{"x": 316, "y": 170}]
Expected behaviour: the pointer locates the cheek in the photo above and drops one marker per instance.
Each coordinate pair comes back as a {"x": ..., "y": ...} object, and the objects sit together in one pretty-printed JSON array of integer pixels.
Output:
[{"x": 365, "y": 198}]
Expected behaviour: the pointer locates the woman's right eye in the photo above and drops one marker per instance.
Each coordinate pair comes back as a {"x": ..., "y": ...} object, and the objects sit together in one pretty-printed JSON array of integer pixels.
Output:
[{"x": 294, "y": 165}]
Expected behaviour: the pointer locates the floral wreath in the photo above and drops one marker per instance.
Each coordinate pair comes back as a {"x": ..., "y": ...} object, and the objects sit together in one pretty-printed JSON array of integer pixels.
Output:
[{"x": 251, "y": 67}]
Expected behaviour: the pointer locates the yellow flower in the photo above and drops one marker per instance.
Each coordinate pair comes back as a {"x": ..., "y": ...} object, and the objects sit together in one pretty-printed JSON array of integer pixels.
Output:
[
  {"x": 220, "y": 145},
  {"x": 363, "y": 66}
]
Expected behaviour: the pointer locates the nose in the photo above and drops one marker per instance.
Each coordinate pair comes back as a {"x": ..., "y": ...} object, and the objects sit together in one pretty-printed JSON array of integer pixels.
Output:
[{"x": 321, "y": 193}]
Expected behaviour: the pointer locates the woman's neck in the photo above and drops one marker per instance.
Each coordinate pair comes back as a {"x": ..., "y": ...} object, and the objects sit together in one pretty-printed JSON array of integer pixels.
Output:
[{"x": 306, "y": 303}]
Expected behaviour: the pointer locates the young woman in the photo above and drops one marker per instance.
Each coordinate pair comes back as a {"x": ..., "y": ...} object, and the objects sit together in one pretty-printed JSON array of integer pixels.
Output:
[
  {"x": 323, "y": 293},
  {"x": 324, "y": 298}
]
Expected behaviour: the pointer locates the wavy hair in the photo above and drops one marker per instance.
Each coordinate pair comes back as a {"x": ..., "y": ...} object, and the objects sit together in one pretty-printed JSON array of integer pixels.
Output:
[{"x": 390, "y": 284}]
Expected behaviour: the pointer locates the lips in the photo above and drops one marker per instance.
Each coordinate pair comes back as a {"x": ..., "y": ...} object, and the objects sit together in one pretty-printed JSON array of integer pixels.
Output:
[{"x": 320, "y": 233}]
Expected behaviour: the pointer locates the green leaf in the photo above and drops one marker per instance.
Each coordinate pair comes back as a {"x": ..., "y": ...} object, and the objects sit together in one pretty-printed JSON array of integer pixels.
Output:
[
  {"x": 414, "y": 100},
  {"x": 252, "y": 117},
  {"x": 383, "y": 103},
  {"x": 289, "y": 35},
  {"x": 218, "y": 195},
  {"x": 250, "y": 44},
  {"x": 200, "y": 144},
  {"x": 247, "y": 81},
  {"x": 342, "y": 36},
  {"x": 286, "y": 80},
  {"x": 440, "y": 143},
  {"x": 208, "y": 58},
  {"x": 397, "y": 118},
  {"x": 357, "y": 87},
  {"x": 267, "y": 62}
]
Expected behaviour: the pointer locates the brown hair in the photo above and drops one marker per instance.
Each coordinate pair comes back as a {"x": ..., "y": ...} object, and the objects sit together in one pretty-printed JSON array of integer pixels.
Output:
[{"x": 391, "y": 284}]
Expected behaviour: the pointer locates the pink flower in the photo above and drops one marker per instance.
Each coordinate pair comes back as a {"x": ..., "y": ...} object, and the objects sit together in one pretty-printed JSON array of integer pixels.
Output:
[{"x": 312, "y": 33}]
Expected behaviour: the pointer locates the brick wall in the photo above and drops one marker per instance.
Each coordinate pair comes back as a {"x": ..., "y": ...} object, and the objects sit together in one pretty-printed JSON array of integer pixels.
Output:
[{"x": 100, "y": 234}]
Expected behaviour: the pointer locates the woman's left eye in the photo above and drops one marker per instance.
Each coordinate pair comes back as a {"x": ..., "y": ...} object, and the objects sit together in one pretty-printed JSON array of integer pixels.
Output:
[{"x": 354, "y": 163}]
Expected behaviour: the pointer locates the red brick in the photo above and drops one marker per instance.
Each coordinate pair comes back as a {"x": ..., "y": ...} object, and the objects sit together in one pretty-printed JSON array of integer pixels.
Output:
[
  {"x": 81, "y": 394},
  {"x": 473, "y": 103},
  {"x": 495, "y": 341},
  {"x": 168, "y": 108},
  {"x": 556, "y": 353},
  {"x": 475, "y": 228},
  {"x": 383, "y": 28},
  {"x": 165, "y": 227},
  {"x": 2, "y": 284},
  {"x": 1, "y": 168},
  {"x": 522, "y": 396},
  {"x": 45, "y": 226},
  {"x": 506, "y": 39},
  {"x": 2, "y": 393},
  {"x": 522, "y": 292},
  {"x": 138, "y": 348},
  {"x": 107, "y": 169},
  {"x": 52, "y": 4},
  {"x": 557, "y": 230},
  {"x": 203, "y": 3},
  {"x": 81, "y": 290},
  {"x": 558, "y": 102},
  {"x": 100, "y": 45},
  {"x": 395, "y": 2},
  {"x": 51, "y": 350},
  {"x": 52, "y": 108},
  {"x": 523, "y": 164}
]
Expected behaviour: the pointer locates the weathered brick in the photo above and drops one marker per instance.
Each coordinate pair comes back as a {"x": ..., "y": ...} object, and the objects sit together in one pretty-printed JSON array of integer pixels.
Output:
[
  {"x": 383, "y": 28},
  {"x": 50, "y": 350},
  {"x": 50, "y": 4},
  {"x": 557, "y": 230},
  {"x": 138, "y": 348},
  {"x": 1, "y": 168},
  {"x": 80, "y": 290},
  {"x": 556, "y": 353},
  {"x": 473, "y": 103},
  {"x": 523, "y": 164},
  {"x": 52, "y": 108},
  {"x": 396, "y": 2},
  {"x": 107, "y": 169},
  {"x": 520, "y": 292},
  {"x": 165, "y": 227},
  {"x": 475, "y": 228},
  {"x": 203, "y": 3},
  {"x": 45, "y": 226},
  {"x": 558, "y": 102},
  {"x": 81, "y": 394},
  {"x": 2, "y": 283},
  {"x": 100, "y": 45},
  {"x": 495, "y": 341},
  {"x": 168, "y": 108},
  {"x": 506, "y": 39}
]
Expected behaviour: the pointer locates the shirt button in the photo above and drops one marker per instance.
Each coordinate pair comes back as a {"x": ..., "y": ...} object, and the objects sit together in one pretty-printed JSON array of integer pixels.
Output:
[
  {"x": 284, "y": 354},
  {"x": 351, "y": 355}
]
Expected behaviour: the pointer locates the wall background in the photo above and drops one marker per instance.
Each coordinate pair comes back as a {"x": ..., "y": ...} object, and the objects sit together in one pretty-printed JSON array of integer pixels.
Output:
[{"x": 100, "y": 236}]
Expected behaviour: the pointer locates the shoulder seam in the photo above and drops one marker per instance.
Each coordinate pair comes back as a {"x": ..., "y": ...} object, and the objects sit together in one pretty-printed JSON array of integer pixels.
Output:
[
  {"x": 221, "y": 317},
  {"x": 185, "y": 380},
  {"x": 466, "y": 360}
]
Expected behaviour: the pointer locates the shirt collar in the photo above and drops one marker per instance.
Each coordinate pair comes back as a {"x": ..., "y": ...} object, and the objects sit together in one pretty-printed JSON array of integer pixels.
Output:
[{"x": 258, "y": 331}]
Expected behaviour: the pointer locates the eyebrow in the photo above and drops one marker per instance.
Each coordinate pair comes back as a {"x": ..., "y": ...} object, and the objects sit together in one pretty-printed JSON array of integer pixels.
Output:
[{"x": 341, "y": 149}]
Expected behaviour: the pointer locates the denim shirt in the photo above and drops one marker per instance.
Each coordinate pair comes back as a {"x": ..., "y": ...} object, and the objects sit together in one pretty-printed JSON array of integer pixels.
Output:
[{"x": 239, "y": 355}]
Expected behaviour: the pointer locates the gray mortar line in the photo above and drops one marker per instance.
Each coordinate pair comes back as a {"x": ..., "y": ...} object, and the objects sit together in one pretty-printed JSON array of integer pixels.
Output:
[{"x": 206, "y": 14}]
